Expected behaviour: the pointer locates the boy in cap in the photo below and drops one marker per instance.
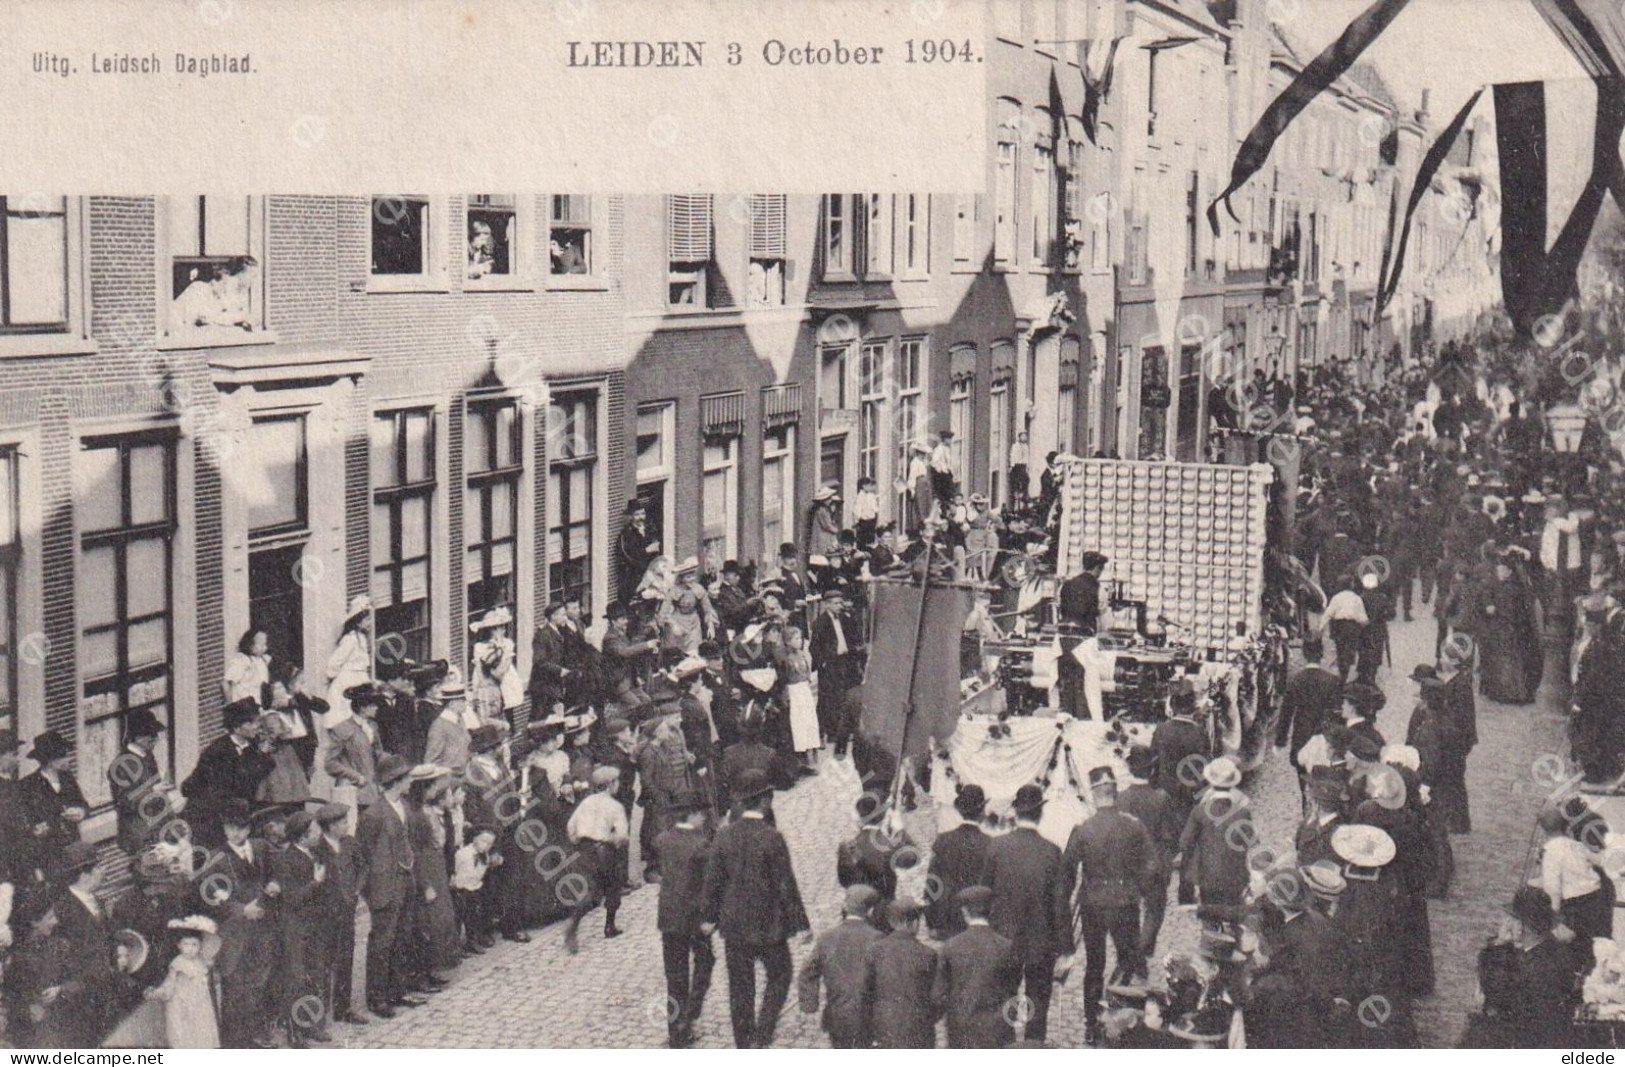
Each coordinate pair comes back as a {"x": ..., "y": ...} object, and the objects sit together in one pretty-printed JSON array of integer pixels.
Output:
[
  {"x": 977, "y": 977},
  {"x": 343, "y": 861},
  {"x": 471, "y": 894},
  {"x": 900, "y": 981},
  {"x": 839, "y": 960},
  {"x": 599, "y": 826},
  {"x": 684, "y": 849}
]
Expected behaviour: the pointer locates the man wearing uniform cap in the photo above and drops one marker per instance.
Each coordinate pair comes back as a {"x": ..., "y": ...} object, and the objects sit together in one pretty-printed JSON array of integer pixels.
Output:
[
  {"x": 1180, "y": 745},
  {"x": 684, "y": 850},
  {"x": 839, "y": 961},
  {"x": 1032, "y": 903},
  {"x": 900, "y": 980},
  {"x": 599, "y": 826},
  {"x": 389, "y": 886},
  {"x": 753, "y": 899},
  {"x": 977, "y": 977},
  {"x": 1113, "y": 858}
]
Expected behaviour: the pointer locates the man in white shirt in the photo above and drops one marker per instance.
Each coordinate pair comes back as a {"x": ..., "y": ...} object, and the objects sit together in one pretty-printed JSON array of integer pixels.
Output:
[{"x": 599, "y": 827}]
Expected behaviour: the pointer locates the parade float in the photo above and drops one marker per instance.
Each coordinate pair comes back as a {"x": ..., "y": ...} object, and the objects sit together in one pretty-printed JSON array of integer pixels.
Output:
[{"x": 1183, "y": 598}]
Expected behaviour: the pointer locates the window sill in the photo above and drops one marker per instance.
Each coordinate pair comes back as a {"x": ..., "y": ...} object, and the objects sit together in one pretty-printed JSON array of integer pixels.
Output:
[
  {"x": 384, "y": 283},
  {"x": 914, "y": 277},
  {"x": 29, "y": 345},
  {"x": 966, "y": 267},
  {"x": 830, "y": 277},
  {"x": 580, "y": 283},
  {"x": 488, "y": 284},
  {"x": 215, "y": 337}
]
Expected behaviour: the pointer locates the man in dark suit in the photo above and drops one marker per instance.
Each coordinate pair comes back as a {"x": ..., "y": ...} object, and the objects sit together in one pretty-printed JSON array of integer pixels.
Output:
[
  {"x": 1113, "y": 857},
  {"x": 873, "y": 855},
  {"x": 634, "y": 548},
  {"x": 344, "y": 873},
  {"x": 301, "y": 872},
  {"x": 838, "y": 659},
  {"x": 684, "y": 850},
  {"x": 231, "y": 766},
  {"x": 237, "y": 884},
  {"x": 1181, "y": 747},
  {"x": 900, "y": 979},
  {"x": 137, "y": 786},
  {"x": 53, "y": 807},
  {"x": 748, "y": 755},
  {"x": 1078, "y": 607},
  {"x": 1308, "y": 702},
  {"x": 958, "y": 858},
  {"x": 1032, "y": 904},
  {"x": 840, "y": 960},
  {"x": 550, "y": 676},
  {"x": 719, "y": 682},
  {"x": 978, "y": 977},
  {"x": 389, "y": 887},
  {"x": 88, "y": 942},
  {"x": 732, "y": 599},
  {"x": 751, "y": 896},
  {"x": 1155, "y": 811}
]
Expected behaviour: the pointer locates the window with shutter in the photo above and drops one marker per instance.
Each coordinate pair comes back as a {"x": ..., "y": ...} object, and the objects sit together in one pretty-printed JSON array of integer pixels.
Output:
[
  {"x": 767, "y": 249},
  {"x": 688, "y": 249}
]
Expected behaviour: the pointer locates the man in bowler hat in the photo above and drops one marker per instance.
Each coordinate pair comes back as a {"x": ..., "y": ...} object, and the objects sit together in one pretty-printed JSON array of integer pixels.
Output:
[{"x": 1032, "y": 904}]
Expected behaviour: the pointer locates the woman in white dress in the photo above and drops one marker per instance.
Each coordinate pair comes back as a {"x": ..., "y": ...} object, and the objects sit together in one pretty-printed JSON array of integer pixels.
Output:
[
  {"x": 795, "y": 663},
  {"x": 248, "y": 672},
  {"x": 349, "y": 665},
  {"x": 497, "y": 688}
]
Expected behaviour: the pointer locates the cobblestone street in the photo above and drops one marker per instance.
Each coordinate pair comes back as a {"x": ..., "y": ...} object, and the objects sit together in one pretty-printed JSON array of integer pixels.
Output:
[{"x": 613, "y": 993}]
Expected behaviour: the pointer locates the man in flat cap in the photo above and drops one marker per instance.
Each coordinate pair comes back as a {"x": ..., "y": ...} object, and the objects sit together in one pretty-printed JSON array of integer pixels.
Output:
[
  {"x": 900, "y": 982},
  {"x": 389, "y": 886},
  {"x": 231, "y": 766},
  {"x": 752, "y": 898},
  {"x": 839, "y": 961},
  {"x": 978, "y": 977},
  {"x": 684, "y": 850},
  {"x": 342, "y": 857},
  {"x": 237, "y": 886}
]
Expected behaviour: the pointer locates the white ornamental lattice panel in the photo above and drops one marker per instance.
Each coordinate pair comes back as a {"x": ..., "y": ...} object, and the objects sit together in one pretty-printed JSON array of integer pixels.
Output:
[{"x": 1187, "y": 538}]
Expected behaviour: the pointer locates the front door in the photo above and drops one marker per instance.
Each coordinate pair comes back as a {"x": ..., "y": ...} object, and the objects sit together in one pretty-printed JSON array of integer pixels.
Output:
[{"x": 276, "y": 600}]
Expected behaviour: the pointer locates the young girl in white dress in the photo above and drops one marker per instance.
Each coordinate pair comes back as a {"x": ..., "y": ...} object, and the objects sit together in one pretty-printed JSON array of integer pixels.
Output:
[{"x": 186, "y": 991}]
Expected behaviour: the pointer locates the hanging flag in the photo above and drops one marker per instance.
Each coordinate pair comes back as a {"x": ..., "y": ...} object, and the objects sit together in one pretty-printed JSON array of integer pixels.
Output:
[
  {"x": 1387, "y": 283},
  {"x": 910, "y": 691},
  {"x": 1095, "y": 89},
  {"x": 1537, "y": 277},
  {"x": 1324, "y": 69}
]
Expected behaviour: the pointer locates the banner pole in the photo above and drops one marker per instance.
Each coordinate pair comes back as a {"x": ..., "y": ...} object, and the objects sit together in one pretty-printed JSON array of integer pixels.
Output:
[{"x": 914, "y": 657}]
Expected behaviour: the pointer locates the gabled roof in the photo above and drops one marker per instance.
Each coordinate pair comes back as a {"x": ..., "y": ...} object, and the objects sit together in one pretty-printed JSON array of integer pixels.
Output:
[{"x": 1370, "y": 79}]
